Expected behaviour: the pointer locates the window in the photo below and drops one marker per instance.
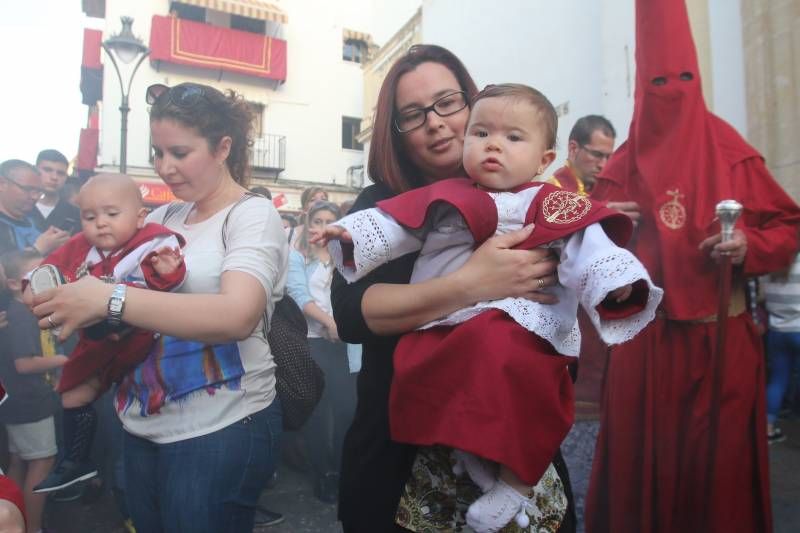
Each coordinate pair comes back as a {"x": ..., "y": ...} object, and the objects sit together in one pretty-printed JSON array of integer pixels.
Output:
[
  {"x": 351, "y": 127},
  {"x": 257, "y": 110},
  {"x": 247, "y": 24},
  {"x": 187, "y": 12},
  {"x": 354, "y": 50}
]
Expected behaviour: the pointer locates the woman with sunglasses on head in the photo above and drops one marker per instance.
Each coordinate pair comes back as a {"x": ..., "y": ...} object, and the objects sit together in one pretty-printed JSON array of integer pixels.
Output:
[
  {"x": 417, "y": 139},
  {"x": 201, "y": 415},
  {"x": 309, "y": 284}
]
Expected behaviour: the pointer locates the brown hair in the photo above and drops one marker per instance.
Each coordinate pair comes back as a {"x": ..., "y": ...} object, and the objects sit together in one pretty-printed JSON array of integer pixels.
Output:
[
  {"x": 582, "y": 130},
  {"x": 308, "y": 193},
  {"x": 530, "y": 95},
  {"x": 387, "y": 162},
  {"x": 214, "y": 115}
]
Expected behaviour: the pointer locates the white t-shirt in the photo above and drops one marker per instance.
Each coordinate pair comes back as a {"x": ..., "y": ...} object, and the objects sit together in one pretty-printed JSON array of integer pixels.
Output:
[
  {"x": 186, "y": 389},
  {"x": 45, "y": 209}
]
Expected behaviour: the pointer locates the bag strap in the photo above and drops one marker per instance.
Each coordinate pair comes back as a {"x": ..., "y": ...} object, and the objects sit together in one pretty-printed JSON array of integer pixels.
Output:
[
  {"x": 171, "y": 211},
  {"x": 246, "y": 196}
]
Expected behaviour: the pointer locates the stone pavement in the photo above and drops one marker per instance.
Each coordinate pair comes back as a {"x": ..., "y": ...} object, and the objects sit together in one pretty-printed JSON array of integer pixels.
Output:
[{"x": 291, "y": 495}]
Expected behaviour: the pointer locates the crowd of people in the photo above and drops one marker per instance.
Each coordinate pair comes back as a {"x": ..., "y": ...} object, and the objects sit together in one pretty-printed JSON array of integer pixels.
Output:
[{"x": 474, "y": 315}]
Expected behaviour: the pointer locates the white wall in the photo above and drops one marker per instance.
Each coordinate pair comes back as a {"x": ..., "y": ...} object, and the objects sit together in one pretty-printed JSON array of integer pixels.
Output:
[
  {"x": 576, "y": 52},
  {"x": 553, "y": 46},
  {"x": 727, "y": 57},
  {"x": 307, "y": 109}
]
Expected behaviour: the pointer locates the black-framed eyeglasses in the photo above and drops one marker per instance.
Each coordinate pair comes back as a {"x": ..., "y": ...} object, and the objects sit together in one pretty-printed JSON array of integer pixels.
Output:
[
  {"x": 183, "y": 95},
  {"x": 38, "y": 192},
  {"x": 445, "y": 106},
  {"x": 597, "y": 154}
]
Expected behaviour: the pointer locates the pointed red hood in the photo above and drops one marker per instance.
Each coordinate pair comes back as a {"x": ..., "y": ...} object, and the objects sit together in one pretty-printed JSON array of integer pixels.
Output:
[{"x": 677, "y": 160}]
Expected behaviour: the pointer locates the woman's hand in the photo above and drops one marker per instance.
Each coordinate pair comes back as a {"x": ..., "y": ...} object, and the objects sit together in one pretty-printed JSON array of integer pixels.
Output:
[
  {"x": 73, "y": 306},
  {"x": 331, "y": 331},
  {"x": 496, "y": 271}
]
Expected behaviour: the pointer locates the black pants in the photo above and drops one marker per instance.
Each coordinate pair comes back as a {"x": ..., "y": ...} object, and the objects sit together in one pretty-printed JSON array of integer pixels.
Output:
[{"x": 324, "y": 432}]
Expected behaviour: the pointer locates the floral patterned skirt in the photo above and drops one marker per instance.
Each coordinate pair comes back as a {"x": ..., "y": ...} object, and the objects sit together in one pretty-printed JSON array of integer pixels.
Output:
[{"x": 435, "y": 500}]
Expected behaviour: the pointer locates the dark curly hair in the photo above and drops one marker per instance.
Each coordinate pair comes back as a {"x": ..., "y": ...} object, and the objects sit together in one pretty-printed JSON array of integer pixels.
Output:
[{"x": 214, "y": 115}]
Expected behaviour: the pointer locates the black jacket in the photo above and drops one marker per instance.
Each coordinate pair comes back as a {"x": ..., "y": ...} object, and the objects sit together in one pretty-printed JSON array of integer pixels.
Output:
[{"x": 64, "y": 216}]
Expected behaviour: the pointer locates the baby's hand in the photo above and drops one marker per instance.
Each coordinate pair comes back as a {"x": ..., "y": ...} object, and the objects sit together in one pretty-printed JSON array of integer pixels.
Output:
[
  {"x": 329, "y": 233},
  {"x": 621, "y": 294},
  {"x": 166, "y": 260}
]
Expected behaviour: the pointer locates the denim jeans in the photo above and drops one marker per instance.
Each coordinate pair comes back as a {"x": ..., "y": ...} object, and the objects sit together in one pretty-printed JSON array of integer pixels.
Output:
[
  {"x": 783, "y": 349},
  {"x": 206, "y": 484}
]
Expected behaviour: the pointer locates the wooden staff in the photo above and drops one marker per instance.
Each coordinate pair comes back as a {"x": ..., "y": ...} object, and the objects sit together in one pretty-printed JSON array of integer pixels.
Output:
[{"x": 728, "y": 212}]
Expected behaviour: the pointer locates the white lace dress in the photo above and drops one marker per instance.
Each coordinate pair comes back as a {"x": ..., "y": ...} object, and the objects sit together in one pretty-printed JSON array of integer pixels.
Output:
[{"x": 591, "y": 266}]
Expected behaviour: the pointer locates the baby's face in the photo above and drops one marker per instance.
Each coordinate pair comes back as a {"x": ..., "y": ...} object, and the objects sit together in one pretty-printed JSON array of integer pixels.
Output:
[
  {"x": 110, "y": 217},
  {"x": 505, "y": 143}
]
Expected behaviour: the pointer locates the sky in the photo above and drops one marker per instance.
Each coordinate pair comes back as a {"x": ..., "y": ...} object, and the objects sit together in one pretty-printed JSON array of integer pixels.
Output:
[{"x": 40, "y": 60}]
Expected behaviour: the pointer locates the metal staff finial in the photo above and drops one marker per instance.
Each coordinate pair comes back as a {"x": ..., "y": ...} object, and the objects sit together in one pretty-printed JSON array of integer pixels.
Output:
[{"x": 728, "y": 212}]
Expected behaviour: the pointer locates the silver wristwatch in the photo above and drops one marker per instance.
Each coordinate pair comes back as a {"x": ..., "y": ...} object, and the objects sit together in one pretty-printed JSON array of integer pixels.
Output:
[{"x": 116, "y": 304}]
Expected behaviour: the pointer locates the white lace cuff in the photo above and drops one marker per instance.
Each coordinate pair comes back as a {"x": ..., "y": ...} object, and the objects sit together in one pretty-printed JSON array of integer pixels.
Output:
[
  {"x": 377, "y": 239},
  {"x": 606, "y": 272}
]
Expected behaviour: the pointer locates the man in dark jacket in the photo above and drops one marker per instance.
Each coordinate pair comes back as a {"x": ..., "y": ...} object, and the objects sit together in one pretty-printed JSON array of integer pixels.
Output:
[{"x": 52, "y": 209}]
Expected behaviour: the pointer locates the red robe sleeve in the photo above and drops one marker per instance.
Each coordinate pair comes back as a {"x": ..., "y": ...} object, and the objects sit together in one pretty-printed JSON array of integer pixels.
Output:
[{"x": 770, "y": 218}]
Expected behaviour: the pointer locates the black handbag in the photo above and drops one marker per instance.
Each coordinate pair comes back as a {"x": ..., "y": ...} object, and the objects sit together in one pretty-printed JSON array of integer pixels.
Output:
[{"x": 299, "y": 381}]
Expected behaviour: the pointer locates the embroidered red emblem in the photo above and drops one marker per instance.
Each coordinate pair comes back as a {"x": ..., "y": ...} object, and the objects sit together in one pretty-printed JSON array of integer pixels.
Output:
[
  {"x": 564, "y": 207},
  {"x": 672, "y": 213}
]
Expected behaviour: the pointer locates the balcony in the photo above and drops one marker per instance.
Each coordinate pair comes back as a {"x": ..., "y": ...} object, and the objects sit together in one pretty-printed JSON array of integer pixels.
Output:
[
  {"x": 195, "y": 44},
  {"x": 269, "y": 154}
]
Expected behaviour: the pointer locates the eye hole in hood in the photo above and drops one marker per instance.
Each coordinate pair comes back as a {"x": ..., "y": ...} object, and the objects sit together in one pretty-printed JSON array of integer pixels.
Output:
[
  {"x": 687, "y": 76},
  {"x": 659, "y": 80}
]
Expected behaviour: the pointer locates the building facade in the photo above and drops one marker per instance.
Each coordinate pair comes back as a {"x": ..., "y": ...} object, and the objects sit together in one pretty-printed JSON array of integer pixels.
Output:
[{"x": 298, "y": 64}]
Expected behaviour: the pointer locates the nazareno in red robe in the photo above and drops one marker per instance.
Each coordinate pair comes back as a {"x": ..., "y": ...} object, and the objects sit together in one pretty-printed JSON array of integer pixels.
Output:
[
  {"x": 488, "y": 385},
  {"x": 110, "y": 359},
  {"x": 679, "y": 161}
]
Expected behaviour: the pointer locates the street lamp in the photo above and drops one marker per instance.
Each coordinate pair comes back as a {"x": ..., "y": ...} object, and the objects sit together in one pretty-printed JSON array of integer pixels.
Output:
[{"x": 127, "y": 47}]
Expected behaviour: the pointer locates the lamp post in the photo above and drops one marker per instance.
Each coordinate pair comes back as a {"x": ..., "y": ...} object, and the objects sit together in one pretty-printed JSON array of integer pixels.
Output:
[{"x": 127, "y": 47}]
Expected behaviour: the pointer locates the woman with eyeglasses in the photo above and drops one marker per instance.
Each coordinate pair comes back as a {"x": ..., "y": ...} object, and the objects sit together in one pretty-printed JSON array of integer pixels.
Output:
[
  {"x": 417, "y": 139},
  {"x": 310, "y": 274},
  {"x": 201, "y": 415}
]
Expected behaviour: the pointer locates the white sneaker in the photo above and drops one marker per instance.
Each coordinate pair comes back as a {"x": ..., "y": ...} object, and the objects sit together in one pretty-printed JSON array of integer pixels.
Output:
[
  {"x": 492, "y": 511},
  {"x": 478, "y": 470}
]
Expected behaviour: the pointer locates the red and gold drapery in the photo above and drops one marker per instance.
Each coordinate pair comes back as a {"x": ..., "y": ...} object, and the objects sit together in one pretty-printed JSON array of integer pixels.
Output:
[{"x": 185, "y": 42}]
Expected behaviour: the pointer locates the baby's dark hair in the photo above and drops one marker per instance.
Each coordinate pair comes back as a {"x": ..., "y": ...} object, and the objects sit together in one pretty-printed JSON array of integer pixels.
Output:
[
  {"x": 530, "y": 95},
  {"x": 214, "y": 115},
  {"x": 14, "y": 261}
]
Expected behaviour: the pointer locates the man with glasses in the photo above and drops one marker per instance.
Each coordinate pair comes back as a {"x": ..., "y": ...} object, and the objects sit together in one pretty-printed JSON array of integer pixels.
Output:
[
  {"x": 591, "y": 143},
  {"x": 52, "y": 209},
  {"x": 20, "y": 188}
]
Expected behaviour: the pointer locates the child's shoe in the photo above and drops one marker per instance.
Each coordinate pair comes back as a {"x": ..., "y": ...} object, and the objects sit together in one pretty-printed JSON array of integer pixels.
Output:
[
  {"x": 65, "y": 473},
  {"x": 477, "y": 469},
  {"x": 492, "y": 511}
]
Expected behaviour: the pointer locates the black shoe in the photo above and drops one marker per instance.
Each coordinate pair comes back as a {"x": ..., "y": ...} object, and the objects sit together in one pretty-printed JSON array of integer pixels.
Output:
[
  {"x": 69, "y": 494},
  {"x": 265, "y": 517},
  {"x": 65, "y": 473}
]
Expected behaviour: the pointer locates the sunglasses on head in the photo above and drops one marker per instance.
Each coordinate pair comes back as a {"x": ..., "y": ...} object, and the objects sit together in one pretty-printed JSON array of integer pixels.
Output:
[{"x": 183, "y": 95}]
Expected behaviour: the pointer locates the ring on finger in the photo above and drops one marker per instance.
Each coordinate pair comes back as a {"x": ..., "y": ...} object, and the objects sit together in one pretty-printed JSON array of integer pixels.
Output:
[
  {"x": 540, "y": 281},
  {"x": 50, "y": 321}
]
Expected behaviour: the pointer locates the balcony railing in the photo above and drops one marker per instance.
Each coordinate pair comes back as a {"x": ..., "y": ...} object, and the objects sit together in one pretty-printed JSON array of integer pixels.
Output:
[{"x": 269, "y": 152}]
